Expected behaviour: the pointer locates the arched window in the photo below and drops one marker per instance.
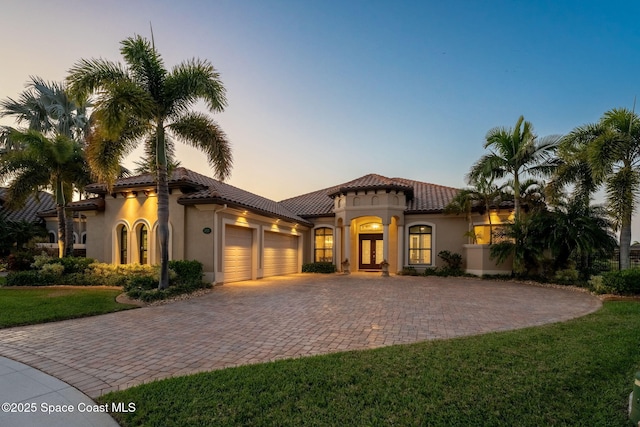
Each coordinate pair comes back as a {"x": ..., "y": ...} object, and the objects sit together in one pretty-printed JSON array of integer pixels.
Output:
[
  {"x": 52, "y": 237},
  {"x": 143, "y": 240},
  {"x": 84, "y": 238},
  {"x": 420, "y": 244},
  {"x": 123, "y": 244},
  {"x": 323, "y": 245}
]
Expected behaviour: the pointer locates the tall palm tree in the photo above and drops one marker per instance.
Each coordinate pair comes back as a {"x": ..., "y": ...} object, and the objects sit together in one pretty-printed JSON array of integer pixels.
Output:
[
  {"x": 516, "y": 153},
  {"x": 47, "y": 108},
  {"x": 482, "y": 195},
  {"x": 54, "y": 164},
  {"x": 611, "y": 150},
  {"x": 142, "y": 102}
]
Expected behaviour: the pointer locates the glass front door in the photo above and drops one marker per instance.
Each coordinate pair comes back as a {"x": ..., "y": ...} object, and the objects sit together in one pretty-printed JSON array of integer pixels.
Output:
[{"x": 371, "y": 251}]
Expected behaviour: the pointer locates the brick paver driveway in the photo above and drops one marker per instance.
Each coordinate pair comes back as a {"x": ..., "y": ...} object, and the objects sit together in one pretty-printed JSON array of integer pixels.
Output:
[{"x": 277, "y": 318}]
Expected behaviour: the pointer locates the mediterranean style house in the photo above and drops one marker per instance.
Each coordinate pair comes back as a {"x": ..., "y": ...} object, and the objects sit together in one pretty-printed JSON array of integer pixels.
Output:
[{"x": 238, "y": 235}]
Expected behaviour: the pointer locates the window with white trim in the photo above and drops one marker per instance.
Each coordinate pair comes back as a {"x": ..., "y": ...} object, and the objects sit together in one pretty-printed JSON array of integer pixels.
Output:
[
  {"x": 323, "y": 249},
  {"x": 420, "y": 244}
]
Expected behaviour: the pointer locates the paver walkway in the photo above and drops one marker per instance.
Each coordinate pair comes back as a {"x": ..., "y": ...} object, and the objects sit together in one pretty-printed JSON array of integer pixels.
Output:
[{"x": 276, "y": 318}]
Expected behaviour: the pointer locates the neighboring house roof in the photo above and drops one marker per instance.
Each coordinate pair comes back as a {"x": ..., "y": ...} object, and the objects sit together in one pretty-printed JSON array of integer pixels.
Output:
[
  {"x": 93, "y": 204},
  {"x": 32, "y": 206},
  {"x": 422, "y": 197}
]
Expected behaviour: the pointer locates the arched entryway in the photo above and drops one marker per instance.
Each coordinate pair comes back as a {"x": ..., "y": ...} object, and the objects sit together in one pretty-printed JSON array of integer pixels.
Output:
[{"x": 370, "y": 242}]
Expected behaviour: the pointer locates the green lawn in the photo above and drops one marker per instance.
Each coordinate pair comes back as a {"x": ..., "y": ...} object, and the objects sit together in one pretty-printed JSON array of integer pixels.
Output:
[
  {"x": 27, "y": 306},
  {"x": 574, "y": 373}
]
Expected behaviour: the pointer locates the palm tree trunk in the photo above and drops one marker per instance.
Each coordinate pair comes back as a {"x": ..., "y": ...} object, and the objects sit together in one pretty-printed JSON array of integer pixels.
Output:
[
  {"x": 163, "y": 207},
  {"x": 68, "y": 226},
  {"x": 625, "y": 243},
  {"x": 516, "y": 195},
  {"x": 61, "y": 229}
]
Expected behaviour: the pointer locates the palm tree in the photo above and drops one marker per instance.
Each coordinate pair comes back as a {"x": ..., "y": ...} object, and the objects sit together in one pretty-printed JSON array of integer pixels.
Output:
[
  {"x": 610, "y": 149},
  {"x": 47, "y": 108},
  {"x": 573, "y": 230},
  {"x": 142, "y": 101},
  {"x": 482, "y": 195},
  {"x": 516, "y": 153},
  {"x": 55, "y": 164}
]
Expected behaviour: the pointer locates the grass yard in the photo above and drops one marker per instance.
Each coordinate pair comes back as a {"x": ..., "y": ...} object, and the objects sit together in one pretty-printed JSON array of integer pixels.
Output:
[
  {"x": 27, "y": 306},
  {"x": 574, "y": 373}
]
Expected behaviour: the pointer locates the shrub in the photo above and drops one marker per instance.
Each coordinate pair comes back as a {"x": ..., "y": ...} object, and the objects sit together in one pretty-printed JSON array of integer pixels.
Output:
[
  {"x": 55, "y": 270},
  {"x": 431, "y": 272},
  {"x": 625, "y": 282},
  {"x": 20, "y": 261},
  {"x": 567, "y": 277},
  {"x": 157, "y": 294},
  {"x": 319, "y": 267},
  {"x": 29, "y": 278},
  {"x": 408, "y": 271},
  {"x": 142, "y": 283},
  {"x": 596, "y": 284},
  {"x": 453, "y": 263},
  {"x": 187, "y": 271},
  {"x": 74, "y": 264}
]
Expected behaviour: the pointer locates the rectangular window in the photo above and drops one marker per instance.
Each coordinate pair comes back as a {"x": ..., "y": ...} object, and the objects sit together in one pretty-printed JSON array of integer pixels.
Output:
[
  {"x": 420, "y": 244},
  {"x": 483, "y": 234},
  {"x": 323, "y": 245}
]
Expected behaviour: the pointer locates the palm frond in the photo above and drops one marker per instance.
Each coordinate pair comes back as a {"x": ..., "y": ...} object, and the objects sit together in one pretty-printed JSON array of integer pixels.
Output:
[
  {"x": 88, "y": 75},
  {"x": 199, "y": 131},
  {"x": 145, "y": 65},
  {"x": 192, "y": 80}
]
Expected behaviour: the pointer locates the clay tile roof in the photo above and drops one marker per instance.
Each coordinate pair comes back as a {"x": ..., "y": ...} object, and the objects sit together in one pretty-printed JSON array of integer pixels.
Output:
[
  {"x": 372, "y": 182},
  {"x": 422, "y": 196},
  {"x": 29, "y": 212},
  {"x": 93, "y": 204},
  {"x": 428, "y": 197},
  {"x": 202, "y": 189},
  {"x": 220, "y": 192},
  {"x": 180, "y": 177}
]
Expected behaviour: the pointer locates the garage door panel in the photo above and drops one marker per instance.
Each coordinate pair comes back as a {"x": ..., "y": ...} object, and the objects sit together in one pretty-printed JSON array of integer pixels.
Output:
[
  {"x": 237, "y": 254},
  {"x": 280, "y": 254}
]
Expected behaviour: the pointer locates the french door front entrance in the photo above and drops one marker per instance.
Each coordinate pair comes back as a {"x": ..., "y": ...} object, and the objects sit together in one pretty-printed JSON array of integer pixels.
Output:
[{"x": 371, "y": 251}]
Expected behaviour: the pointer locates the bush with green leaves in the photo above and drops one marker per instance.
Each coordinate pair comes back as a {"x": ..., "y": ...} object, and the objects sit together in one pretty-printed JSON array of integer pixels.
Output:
[
  {"x": 186, "y": 271},
  {"x": 319, "y": 267},
  {"x": 569, "y": 276},
  {"x": 30, "y": 278},
  {"x": 624, "y": 282},
  {"x": 408, "y": 271},
  {"x": 150, "y": 295},
  {"x": 20, "y": 261}
]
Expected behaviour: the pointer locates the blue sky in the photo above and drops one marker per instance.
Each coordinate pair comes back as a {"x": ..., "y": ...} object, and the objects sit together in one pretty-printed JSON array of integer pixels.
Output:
[{"x": 322, "y": 92}]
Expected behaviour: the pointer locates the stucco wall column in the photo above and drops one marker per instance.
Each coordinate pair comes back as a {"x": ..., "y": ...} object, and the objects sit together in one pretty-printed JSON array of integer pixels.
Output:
[
  {"x": 337, "y": 247},
  {"x": 347, "y": 244},
  {"x": 385, "y": 242},
  {"x": 400, "y": 247}
]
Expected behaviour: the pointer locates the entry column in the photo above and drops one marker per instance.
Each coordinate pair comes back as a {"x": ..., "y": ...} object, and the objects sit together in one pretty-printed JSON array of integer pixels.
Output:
[
  {"x": 385, "y": 242},
  {"x": 347, "y": 244}
]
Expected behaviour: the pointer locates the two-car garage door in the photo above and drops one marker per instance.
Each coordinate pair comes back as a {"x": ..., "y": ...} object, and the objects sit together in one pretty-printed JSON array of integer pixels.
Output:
[{"x": 280, "y": 254}]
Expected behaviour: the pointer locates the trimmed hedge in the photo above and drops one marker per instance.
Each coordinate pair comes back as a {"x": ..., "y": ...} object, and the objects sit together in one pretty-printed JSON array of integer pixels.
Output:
[
  {"x": 187, "y": 271},
  {"x": 319, "y": 267},
  {"x": 625, "y": 282},
  {"x": 30, "y": 278}
]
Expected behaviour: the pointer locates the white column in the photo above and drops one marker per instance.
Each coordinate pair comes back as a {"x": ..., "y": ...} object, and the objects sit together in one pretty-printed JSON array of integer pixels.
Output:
[
  {"x": 400, "y": 247},
  {"x": 385, "y": 242},
  {"x": 337, "y": 248},
  {"x": 347, "y": 245}
]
